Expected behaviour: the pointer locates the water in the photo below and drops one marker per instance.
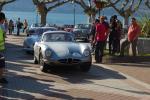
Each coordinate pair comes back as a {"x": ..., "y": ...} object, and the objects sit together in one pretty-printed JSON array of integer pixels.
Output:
[{"x": 52, "y": 18}]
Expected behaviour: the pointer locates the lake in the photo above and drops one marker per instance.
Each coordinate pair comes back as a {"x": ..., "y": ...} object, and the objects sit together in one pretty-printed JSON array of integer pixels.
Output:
[{"x": 52, "y": 18}]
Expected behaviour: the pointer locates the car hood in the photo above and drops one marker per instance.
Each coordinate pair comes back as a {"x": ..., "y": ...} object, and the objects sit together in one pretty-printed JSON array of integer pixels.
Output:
[{"x": 62, "y": 49}]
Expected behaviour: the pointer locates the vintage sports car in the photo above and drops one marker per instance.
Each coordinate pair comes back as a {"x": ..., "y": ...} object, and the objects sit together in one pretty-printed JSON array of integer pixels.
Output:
[
  {"x": 59, "y": 48},
  {"x": 34, "y": 35}
]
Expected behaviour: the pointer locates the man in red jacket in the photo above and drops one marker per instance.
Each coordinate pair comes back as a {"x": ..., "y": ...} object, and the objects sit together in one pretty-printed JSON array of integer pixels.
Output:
[
  {"x": 100, "y": 38},
  {"x": 133, "y": 33}
]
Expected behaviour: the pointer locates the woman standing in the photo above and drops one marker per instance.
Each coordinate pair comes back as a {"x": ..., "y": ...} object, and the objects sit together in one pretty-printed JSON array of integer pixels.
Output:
[
  {"x": 25, "y": 25},
  {"x": 10, "y": 26}
]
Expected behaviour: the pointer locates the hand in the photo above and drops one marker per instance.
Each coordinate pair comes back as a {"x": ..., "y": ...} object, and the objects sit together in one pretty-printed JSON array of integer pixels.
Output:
[{"x": 94, "y": 42}]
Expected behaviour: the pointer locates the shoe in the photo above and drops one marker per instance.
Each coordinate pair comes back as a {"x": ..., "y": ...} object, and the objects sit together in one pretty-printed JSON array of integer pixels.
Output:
[{"x": 3, "y": 81}]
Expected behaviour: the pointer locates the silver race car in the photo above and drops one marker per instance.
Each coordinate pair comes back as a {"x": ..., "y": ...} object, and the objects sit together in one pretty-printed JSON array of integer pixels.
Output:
[
  {"x": 59, "y": 48},
  {"x": 34, "y": 35}
]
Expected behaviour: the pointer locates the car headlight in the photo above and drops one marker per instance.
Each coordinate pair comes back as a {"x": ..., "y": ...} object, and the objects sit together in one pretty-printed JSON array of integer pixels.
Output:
[
  {"x": 86, "y": 53},
  {"x": 48, "y": 53}
]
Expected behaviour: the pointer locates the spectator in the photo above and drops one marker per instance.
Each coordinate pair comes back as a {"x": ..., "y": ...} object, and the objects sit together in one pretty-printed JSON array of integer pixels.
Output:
[
  {"x": 5, "y": 27},
  {"x": 133, "y": 33},
  {"x": 25, "y": 25},
  {"x": 93, "y": 32},
  {"x": 2, "y": 48},
  {"x": 113, "y": 36},
  {"x": 119, "y": 33},
  {"x": 100, "y": 39},
  {"x": 10, "y": 26},
  {"x": 19, "y": 26}
]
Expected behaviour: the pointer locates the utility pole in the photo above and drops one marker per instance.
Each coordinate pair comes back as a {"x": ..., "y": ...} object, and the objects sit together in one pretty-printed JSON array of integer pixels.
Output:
[{"x": 74, "y": 14}]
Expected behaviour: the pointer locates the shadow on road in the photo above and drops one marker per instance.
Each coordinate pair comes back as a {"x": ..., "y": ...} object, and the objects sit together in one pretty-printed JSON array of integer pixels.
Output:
[
  {"x": 15, "y": 52},
  {"x": 25, "y": 87},
  {"x": 23, "y": 84},
  {"x": 74, "y": 75}
]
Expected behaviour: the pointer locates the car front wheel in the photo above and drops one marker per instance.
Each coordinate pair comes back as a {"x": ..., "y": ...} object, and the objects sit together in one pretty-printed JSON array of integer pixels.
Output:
[
  {"x": 44, "y": 66},
  {"x": 35, "y": 60}
]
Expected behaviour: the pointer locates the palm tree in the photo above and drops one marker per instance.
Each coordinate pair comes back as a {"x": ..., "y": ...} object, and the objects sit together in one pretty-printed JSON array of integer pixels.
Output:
[{"x": 4, "y": 2}]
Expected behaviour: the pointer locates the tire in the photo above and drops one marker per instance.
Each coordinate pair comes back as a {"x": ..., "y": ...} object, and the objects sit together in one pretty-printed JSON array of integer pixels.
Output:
[
  {"x": 44, "y": 66},
  {"x": 85, "y": 67},
  {"x": 35, "y": 60}
]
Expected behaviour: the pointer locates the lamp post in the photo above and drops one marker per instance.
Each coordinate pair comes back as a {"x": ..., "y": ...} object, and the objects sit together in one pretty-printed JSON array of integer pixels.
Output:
[
  {"x": 90, "y": 6},
  {"x": 36, "y": 17},
  {"x": 100, "y": 4},
  {"x": 74, "y": 12}
]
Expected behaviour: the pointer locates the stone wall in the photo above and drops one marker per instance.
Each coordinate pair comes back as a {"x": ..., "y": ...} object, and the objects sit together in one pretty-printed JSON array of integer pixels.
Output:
[{"x": 143, "y": 45}]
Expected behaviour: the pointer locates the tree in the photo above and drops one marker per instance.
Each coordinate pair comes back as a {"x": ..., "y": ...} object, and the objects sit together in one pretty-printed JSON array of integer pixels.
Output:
[
  {"x": 90, "y": 9},
  {"x": 4, "y": 2},
  {"x": 44, "y": 6},
  {"x": 147, "y": 3},
  {"x": 127, "y": 8}
]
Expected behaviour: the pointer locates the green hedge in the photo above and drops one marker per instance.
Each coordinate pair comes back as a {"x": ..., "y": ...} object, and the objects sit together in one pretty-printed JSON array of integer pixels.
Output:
[{"x": 145, "y": 25}]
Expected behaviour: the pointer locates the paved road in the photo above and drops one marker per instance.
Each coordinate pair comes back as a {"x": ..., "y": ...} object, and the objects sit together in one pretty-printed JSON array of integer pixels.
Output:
[{"x": 102, "y": 82}]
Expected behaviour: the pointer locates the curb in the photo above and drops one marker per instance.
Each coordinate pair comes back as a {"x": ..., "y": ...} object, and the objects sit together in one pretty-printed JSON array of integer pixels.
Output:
[{"x": 125, "y": 59}]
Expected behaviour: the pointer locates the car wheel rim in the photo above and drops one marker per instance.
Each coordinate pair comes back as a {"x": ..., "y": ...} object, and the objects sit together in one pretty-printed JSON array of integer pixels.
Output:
[{"x": 41, "y": 60}]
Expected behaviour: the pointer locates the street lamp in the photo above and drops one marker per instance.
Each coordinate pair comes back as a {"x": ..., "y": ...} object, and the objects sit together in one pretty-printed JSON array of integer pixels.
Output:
[
  {"x": 37, "y": 17},
  {"x": 100, "y": 4},
  {"x": 74, "y": 12}
]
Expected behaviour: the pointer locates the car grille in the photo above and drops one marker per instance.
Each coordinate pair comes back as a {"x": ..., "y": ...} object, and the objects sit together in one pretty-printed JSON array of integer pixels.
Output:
[{"x": 69, "y": 61}]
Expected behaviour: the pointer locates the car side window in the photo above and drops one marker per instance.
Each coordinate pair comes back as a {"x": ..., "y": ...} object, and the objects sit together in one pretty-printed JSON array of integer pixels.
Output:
[{"x": 44, "y": 38}]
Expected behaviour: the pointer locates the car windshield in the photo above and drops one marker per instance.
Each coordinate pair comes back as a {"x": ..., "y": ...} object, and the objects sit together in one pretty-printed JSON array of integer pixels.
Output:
[
  {"x": 57, "y": 37},
  {"x": 82, "y": 26},
  {"x": 40, "y": 31}
]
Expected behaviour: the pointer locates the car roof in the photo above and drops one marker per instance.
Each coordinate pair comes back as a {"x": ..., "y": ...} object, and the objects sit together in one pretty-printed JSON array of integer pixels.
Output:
[
  {"x": 43, "y": 27},
  {"x": 51, "y": 32}
]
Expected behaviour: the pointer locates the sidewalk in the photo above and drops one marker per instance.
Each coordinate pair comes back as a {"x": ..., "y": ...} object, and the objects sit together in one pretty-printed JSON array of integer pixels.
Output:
[
  {"x": 140, "y": 70},
  {"x": 125, "y": 59}
]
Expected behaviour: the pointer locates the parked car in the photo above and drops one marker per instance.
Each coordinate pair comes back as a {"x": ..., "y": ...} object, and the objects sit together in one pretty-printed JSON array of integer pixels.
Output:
[
  {"x": 34, "y": 35},
  {"x": 59, "y": 48},
  {"x": 82, "y": 32},
  {"x": 68, "y": 28},
  {"x": 35, "y": 25}
]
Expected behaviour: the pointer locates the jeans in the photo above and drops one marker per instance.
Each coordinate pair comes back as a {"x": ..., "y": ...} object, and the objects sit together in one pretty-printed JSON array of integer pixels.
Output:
[{"x": 99, "y": 50}]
